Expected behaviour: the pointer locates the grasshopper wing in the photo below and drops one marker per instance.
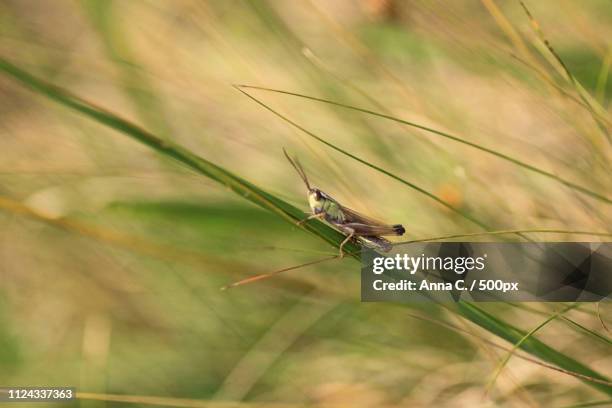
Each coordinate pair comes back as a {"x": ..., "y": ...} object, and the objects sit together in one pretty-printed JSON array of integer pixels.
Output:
[{"x": 374, "y": 226}]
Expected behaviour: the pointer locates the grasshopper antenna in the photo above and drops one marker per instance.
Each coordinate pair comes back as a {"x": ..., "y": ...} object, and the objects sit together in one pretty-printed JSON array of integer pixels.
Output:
[{"x": 298, "y": 167}]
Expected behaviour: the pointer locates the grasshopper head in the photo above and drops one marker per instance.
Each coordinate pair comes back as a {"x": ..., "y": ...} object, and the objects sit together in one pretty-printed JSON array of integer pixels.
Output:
[{"x": 315, "y": 200}]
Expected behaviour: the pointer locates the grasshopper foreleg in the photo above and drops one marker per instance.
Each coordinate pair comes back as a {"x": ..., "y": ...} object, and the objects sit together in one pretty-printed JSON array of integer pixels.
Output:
[{"x": 311, "y": 217}]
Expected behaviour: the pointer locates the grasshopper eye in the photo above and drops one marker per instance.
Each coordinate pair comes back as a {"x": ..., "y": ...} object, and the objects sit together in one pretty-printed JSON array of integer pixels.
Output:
[{"x": 317, "y": 195}]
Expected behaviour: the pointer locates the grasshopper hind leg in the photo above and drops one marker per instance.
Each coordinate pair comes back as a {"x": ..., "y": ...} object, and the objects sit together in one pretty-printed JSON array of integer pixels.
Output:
[
  {"x": 377, "y": 243},
  {"x": 351, "y": 234}
]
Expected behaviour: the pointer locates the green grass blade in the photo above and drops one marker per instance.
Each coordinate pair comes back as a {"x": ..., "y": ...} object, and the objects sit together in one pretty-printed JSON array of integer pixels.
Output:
[
  {"x": 532, "y": 345},
  {"x": 362, "y": 161},
  {"x": 506, "y": 232},
  {"x": 529, "y": 334},
  {"x": 597, "y": 111},
  {"x": 237, "y": 184},
  {"x": 588, "y": 331},
  {"x": 503, "y": 156}
]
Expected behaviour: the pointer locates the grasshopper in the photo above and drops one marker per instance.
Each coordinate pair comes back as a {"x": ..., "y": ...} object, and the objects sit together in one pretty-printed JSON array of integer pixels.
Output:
[{"x": 348, "y": 221}]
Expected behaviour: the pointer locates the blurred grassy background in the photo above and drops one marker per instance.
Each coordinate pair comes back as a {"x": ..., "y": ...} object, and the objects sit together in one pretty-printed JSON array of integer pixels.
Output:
[{"x": 123, "y": 297}]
